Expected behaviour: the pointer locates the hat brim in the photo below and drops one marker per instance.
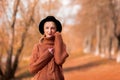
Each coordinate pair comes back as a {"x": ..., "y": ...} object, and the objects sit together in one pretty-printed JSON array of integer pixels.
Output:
[{"x": 50, "y": 18}]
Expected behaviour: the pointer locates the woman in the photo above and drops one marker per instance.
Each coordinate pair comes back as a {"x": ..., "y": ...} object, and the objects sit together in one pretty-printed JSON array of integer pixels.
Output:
[{"x": 50, "y": 53}]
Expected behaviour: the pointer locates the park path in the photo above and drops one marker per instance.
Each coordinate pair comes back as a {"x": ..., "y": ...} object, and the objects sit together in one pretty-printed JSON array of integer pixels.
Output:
[{"x": 90, "y": 67}]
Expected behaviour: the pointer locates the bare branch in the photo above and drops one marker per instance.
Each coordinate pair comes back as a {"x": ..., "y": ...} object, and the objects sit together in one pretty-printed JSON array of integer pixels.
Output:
[
  {"x": 30, "y": 13},
  {"x": 10, "y": 51},
  {"x": 27, "y": 24}
]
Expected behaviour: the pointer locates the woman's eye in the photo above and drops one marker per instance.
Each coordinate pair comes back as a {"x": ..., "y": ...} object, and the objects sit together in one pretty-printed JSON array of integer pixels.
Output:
[
  {"x": 53, "y": 28},
  {"x": 47, "y": 28}
]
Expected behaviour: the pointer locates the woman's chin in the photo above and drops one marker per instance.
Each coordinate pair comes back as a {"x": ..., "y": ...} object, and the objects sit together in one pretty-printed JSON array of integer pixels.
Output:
[{"x": 49, "y": 36}]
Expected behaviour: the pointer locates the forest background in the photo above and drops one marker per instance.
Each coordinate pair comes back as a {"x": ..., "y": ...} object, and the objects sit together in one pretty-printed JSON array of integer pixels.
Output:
[{"x": 91, "y": 31}]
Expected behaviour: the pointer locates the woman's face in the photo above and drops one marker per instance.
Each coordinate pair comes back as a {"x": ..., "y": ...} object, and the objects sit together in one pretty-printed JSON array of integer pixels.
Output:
[{"x": 49, "y": 28}]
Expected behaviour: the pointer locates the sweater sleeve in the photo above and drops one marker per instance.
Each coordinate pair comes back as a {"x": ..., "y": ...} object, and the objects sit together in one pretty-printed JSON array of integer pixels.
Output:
[
  {"x": 38, "y": 62},
  {"x": 60, "y": 49}
]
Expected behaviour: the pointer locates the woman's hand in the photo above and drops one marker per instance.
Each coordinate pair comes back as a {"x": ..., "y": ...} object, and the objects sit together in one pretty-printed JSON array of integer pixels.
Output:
[
  {"x": 57, "y": 33},
  {"x": 51, "y": 50}
]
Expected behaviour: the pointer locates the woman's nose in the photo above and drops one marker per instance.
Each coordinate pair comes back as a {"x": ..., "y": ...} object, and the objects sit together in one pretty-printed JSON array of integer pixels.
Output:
[{"x": 49, "y": 30}]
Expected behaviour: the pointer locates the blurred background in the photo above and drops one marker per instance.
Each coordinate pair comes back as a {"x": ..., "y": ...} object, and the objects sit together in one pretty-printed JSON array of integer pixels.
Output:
[{"x": 91, "y": 31}]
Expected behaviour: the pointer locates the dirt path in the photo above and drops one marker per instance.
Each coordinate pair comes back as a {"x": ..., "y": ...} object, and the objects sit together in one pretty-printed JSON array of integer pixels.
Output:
[
  {"x": 86, "y": 67},
  {"x": 89, "y": 67}
]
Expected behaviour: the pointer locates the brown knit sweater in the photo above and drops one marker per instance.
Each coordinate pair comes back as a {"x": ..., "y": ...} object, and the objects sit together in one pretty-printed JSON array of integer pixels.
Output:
[{"x": 43, "y": 64}]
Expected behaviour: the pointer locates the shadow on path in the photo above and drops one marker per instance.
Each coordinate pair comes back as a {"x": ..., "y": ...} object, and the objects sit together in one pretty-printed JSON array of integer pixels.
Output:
[
  {"x": 23, "y": 75},
  {"x": 86, "y": 66}
]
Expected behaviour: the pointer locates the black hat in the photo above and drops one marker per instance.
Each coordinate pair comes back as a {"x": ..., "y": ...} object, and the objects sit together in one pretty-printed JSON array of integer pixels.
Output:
[{"x": 50, "y": 18}]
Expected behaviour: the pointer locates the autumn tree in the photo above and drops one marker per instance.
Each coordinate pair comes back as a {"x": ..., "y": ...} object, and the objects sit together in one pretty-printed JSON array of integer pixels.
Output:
[
  {"x": 8, "y": 70},
  {"x": 108, "y": 25},
  {"x": 103, "y": 18}
]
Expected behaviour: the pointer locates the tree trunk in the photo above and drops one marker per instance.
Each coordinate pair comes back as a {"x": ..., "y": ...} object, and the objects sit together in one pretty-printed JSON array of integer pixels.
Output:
[
  {"x": 8, "y": 73},
  {"x": 98, "y": 40}
]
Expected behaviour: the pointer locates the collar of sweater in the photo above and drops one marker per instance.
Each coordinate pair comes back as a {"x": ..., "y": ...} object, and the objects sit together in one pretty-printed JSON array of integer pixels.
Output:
[{"x": 47, "y": 40}]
